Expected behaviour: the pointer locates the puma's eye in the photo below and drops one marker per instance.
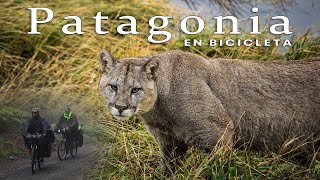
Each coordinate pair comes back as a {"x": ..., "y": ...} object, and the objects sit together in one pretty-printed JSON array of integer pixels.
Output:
[
  {"x": 135, "y": 90},
  {"x": 114, "y": 87}
]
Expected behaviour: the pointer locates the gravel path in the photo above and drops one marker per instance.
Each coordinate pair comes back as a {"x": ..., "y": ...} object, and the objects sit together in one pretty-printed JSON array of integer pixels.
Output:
[{"x": 70, "y": 168}]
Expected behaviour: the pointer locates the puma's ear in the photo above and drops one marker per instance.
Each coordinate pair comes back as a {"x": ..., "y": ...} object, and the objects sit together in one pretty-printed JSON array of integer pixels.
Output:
[
  {"x": 150, "y": 68},
  {"x": 107, "y": 61}
]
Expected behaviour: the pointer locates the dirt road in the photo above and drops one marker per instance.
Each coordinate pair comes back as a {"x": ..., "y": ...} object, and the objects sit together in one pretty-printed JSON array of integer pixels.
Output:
[{"x": 70, "y": 168}]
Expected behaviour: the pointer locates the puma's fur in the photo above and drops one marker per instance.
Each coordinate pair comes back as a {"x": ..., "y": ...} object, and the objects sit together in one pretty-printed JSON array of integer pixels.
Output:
[{"x": 187, "y": 100}]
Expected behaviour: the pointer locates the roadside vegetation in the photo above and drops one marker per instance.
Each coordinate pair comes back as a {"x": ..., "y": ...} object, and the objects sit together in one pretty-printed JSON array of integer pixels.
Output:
[
  {"x": 11, "y": 143},
  {"x": 54, "y": 69}
]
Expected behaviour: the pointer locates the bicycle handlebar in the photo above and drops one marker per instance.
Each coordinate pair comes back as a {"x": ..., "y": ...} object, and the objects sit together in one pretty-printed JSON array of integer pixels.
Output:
[
  {"x": 63, "y": 130},
  {"x": 34, "y": 136}
]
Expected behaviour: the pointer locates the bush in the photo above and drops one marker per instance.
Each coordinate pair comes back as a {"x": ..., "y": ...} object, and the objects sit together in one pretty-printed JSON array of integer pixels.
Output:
[{"x": 11, "y": 119}]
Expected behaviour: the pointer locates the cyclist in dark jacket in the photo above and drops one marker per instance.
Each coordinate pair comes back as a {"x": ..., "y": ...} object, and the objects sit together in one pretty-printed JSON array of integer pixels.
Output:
[
  {"x": 38, "y": 124},
  {"x": 69, "y": 120}
]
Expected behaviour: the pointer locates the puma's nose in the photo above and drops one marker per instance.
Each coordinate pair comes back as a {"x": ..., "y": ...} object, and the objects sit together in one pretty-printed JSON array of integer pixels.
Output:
[{"x": 121, "y": 108}]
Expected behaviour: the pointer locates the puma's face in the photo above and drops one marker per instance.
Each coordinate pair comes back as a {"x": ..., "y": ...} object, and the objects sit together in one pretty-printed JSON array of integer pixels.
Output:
[{"x": 128, "y": 85}]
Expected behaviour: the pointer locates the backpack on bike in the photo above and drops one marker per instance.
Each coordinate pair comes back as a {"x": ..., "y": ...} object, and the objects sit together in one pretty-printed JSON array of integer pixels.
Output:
[
  {"x": 79, "y": 137},
  {"x": 50, "y": 136}
]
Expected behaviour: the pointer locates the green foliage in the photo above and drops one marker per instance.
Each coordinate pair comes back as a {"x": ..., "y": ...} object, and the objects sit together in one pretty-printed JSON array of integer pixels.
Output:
[
  {"x": 54, "y": 68},
  {"x": 93, "y": 132},
  {"x": 10, "y": 124},
  {"x": 133, "y": 154},
  {"x": 130, "y": 154},
  {"x": 317, "y": 168},
  {"x": 11, "y": 119},
  {"x": 305, "y": 47},
  {"x": 10, "y": 148}
]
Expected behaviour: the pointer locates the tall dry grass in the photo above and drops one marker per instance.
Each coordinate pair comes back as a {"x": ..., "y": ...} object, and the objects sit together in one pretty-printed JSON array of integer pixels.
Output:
[{"x": 53, "y": 69}]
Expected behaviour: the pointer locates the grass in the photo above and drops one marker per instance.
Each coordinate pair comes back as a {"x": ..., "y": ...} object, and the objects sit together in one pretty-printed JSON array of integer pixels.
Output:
[
  {"x": 10, "y": 148},
  {"x": 11, "y": 119},
  {"x": 11, "y": 143},
  {"x": 53, "y": 69},
  {"x": 304, "y": 47},
  {"x": 134, "y": 155}
]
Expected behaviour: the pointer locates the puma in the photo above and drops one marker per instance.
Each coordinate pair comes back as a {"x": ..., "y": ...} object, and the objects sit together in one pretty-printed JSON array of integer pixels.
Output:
[{"x": 187, "y": 100}]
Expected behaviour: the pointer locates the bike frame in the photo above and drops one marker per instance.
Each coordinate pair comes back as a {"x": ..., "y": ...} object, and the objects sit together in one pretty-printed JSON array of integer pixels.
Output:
[
  {"x": 66, "y": 142},
  {"x": 35, "y": 149}
]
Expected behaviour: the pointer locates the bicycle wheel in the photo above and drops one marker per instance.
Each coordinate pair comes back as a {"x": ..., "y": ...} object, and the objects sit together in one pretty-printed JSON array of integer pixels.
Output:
[
  {"x": 73, "y": 148},
  {"x": 33, "y": 160},
  {"x": 40, "y": 162},
  {"x": 62, "y": 150}
]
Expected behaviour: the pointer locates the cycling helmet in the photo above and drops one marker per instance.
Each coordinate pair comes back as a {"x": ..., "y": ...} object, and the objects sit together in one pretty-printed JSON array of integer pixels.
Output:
[
  {"x": 35, "y": 110},
  {"x": 67, "y": 108}
]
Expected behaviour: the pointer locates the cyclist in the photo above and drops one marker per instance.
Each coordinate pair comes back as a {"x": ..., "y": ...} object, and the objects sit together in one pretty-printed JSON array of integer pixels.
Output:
[
  {"x": 69, "y": 120},
  {"x": 38, "y": 124}
]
